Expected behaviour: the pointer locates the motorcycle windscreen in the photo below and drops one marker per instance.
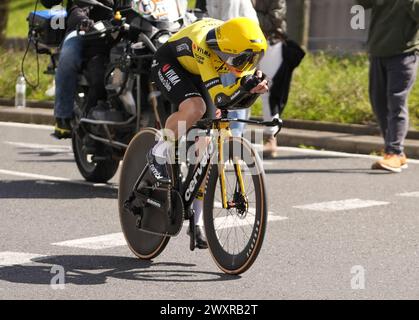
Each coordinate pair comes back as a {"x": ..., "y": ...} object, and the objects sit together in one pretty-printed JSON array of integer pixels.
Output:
[{"x": 161, "y": 10}]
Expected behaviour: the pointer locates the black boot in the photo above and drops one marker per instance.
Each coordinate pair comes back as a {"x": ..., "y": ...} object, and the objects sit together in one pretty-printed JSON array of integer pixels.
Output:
[
  {"x": 200, "y": 239},
  {"x": 62, "y": 129}
]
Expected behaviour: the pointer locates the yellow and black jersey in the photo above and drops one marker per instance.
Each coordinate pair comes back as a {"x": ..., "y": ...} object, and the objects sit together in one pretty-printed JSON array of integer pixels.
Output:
[{"x": 191, "y": 51}]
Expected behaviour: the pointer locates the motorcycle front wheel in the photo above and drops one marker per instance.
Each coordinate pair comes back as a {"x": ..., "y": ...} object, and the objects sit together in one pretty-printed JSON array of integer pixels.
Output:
[{"x": 94, "y": 171}]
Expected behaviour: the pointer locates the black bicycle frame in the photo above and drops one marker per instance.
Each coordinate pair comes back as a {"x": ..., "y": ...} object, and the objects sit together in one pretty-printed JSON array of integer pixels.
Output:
[{"x": 189, "y": 189}]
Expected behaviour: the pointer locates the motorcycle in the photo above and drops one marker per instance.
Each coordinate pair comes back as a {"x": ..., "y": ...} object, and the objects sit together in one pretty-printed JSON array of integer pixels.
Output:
[{"x": 101, "y": 135}]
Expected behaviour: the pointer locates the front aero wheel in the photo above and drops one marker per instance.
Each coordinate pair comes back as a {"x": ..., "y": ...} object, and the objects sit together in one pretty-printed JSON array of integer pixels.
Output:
[{"x": 235, "y": 235}]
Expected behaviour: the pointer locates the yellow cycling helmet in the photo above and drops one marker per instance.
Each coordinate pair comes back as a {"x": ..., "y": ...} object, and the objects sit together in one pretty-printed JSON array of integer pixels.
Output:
[{"x": 239, "y": 42}]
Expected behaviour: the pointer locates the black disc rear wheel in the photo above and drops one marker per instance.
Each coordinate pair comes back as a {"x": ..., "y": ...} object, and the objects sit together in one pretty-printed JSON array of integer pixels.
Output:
[{"x": 143, "y": 244}]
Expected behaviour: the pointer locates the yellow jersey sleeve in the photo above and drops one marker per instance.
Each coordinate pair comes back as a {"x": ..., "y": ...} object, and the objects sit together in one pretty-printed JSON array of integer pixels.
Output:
[{"x": 224, "y": 87}]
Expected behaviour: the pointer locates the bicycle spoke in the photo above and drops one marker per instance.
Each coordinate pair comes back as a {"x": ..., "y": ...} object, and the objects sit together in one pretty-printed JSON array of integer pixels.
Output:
[
  {"x": 235, "y": 233},
  {"x": 228, "y": 235},
  {"x": 225, "y": 219}
]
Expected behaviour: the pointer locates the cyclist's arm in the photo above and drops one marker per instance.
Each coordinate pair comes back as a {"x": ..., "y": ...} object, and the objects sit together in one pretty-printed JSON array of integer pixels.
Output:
[{"x": 222, "y": 96}]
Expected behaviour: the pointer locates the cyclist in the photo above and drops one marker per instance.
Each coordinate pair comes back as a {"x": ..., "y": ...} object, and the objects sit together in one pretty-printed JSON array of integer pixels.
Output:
[{"x": 209, "y": 56}]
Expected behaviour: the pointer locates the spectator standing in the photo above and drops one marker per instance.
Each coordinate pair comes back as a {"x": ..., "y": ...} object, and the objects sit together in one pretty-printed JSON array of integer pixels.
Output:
[
  {"x": 393, "y": 45},
  {"x": 272, "y": 20}
]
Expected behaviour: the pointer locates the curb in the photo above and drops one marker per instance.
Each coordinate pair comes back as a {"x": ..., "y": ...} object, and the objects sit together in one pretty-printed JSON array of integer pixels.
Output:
[
  {"x": 296, "y": 133},
  {"x": 356, "y": 129},
  {"x": 29, "y": 103},
  {"x": 27, "y": 115}
]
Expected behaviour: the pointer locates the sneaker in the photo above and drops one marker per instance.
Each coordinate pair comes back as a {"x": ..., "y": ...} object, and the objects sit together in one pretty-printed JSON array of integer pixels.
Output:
[
  {"x": 270, "y": 147},
  {"x": 200, "y": 239},
  {"x": 403, "y": 159},
  {"x": 62, "y": 128},
  {"x": 158, "y": 168},
  {"x": 390, "y": 162}
]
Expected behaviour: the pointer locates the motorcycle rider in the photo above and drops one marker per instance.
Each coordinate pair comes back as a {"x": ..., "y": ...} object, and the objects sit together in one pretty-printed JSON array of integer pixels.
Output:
[
  {"x": 209, "y": 56},
  {"x": 73, "y": 52}
]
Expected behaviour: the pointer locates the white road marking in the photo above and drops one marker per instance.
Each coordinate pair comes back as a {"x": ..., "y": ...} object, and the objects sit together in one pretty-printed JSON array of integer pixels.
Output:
[
  {"x": 348, "y": 204},
  {"x": 9, "y": 258},
  {"x": 26, "y": 125},
  {"x": 95, "y": 243},
  {"x": 43, "y": 147},
  {"x": 33, "y": 175},
  {"x": 409, "y": 194},
  {"x": 56, "y": 179}
]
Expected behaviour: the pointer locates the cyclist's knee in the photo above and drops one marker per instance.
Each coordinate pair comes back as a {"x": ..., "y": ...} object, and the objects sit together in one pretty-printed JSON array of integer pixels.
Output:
[{"x": 195, "y": 107}]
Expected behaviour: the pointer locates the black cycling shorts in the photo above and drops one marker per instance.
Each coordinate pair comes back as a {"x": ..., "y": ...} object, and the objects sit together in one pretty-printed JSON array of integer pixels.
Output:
[{"x": 176, "y": 83}]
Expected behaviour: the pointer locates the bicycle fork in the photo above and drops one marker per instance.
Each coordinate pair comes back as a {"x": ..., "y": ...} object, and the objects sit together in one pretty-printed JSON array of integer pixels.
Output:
[{"x": 225, "y": 133}]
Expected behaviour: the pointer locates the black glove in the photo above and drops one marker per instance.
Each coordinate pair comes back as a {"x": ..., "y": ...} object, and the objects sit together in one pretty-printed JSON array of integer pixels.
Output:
[
  {"x": 251, "y": 81},
  {"x": 86, "y": 25}
]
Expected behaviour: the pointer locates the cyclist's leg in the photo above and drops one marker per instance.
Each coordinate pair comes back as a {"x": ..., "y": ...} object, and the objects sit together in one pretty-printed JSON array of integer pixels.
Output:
[
  {"x": 190, "y": 111},
  {"x": 184, "y": 90},
  {"x": 200, "y": 145},
  {"x": 198, "y": 203},
  {"x": 179, "y": 87}
]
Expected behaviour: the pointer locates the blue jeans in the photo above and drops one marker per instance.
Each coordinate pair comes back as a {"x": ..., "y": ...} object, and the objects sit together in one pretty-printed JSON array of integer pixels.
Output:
[
  {"x": 237, "y": 128},
  {"x": 69, "y": 66}
]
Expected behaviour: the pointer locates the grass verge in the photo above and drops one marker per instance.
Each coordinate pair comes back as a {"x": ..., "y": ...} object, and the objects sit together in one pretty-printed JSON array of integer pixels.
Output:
[
  {"x": 17, "y": 26},
  {"x": 11, "y": 62}
]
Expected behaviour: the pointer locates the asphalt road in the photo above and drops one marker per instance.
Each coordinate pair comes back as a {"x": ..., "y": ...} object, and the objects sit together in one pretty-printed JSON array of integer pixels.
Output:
[{"x": 342, "y": 231}]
